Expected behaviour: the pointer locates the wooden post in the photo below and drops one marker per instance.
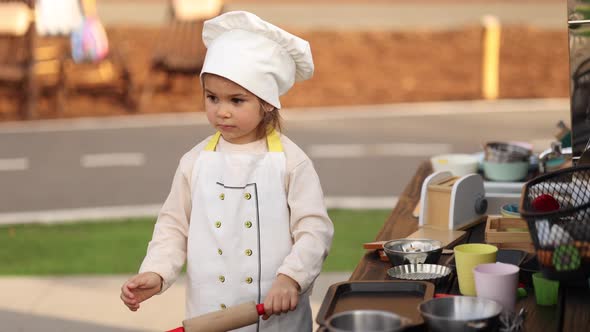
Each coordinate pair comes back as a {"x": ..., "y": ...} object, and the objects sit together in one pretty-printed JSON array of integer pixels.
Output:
[
  {"x": 89, "y": 8},
  {"x": 491, "y": 57},
  {"x": 28, "y": 107}
]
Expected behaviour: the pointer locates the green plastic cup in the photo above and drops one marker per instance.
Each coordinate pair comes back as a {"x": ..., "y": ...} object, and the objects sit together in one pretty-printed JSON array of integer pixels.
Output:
[
  {"x": 467, "y": 257},
  {"x": 545, "y": 290}
]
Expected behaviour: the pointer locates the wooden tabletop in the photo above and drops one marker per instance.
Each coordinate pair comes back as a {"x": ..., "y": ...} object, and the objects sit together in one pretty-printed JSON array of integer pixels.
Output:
[{"x": 571, "y": 314}]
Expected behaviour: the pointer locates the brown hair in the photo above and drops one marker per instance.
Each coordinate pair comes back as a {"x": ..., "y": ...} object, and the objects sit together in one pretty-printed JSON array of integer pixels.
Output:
[{"x": 270, "y": 120}]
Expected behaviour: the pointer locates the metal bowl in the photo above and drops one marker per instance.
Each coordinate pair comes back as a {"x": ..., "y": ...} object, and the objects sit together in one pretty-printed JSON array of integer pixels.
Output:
[
  {"x": 426, "y": 272},
  {"x": 413, "y": 251},
  {"x": 461, "y": 313},
  {"x": 506, "y": 152},
  {"x": 364, "y": 321}
]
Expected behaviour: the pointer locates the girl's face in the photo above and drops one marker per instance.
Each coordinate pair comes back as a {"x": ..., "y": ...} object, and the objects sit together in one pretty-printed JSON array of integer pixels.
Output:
[{"x": 231, "y": 109}]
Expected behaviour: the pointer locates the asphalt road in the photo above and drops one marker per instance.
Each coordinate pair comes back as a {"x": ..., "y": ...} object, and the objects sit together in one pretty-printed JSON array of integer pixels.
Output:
[{"x": 363, "y": 155}]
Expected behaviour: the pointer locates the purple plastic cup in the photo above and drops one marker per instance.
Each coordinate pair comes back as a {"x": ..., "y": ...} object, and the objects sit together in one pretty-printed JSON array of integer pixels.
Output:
[{"x": 498, "y": 282}]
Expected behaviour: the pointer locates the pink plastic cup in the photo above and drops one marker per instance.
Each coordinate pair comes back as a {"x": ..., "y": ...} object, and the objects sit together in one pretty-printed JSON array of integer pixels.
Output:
[{"x": 498, "y": 282}]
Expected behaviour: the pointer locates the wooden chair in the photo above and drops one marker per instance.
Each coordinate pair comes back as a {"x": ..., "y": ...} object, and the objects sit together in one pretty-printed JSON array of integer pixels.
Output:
[
  {"x": 108, "y": 76},
  {"x": 17, "y": 43},
  {"x": 179, "y": 50}
]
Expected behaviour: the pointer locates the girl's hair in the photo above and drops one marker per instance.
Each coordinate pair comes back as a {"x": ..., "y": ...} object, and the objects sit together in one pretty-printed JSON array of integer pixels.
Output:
[{"x": 270, "y": 120}]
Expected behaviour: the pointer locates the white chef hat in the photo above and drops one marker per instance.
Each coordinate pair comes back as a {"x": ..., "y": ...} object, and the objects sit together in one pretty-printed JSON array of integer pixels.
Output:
[{"x": 262, "y": 58}]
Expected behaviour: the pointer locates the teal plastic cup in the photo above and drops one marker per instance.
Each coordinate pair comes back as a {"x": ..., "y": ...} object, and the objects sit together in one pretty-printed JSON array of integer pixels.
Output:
[{"x": 545, "y": 290}]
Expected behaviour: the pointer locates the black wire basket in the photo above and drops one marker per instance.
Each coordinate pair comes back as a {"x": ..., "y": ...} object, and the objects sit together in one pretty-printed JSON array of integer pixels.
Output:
[{"x": 556, "y": 207}]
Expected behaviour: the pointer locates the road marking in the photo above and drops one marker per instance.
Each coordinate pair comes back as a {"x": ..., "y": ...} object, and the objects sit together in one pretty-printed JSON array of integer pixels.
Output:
[
  {"x": 112, "y": 160},
  {"x": 152, "y": 210},
  {"x": 14, "y": 164},
  {"x": 376, "y": 150},
  {"x": 358, "y": 202},
  {"x": 382, "y": 111}
]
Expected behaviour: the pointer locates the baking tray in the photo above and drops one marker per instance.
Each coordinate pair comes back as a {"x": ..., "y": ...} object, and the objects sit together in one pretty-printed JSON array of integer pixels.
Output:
[
  {"x": 397, "y": 296},
  {"x": 436, "y": 274}
]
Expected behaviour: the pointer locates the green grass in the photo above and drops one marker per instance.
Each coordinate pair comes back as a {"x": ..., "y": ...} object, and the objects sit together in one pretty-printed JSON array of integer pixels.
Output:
[
  {"x": 111, "y": 247},
  {"x": 352, "y": 228}
]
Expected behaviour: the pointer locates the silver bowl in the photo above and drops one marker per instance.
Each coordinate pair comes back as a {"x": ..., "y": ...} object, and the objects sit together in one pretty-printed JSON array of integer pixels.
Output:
[
  {"x": 461, "y": 314},
  {"x": 413, "y": 251},
  {"x": 364, "y": 321},
  {"x": 506, "y": 152}
]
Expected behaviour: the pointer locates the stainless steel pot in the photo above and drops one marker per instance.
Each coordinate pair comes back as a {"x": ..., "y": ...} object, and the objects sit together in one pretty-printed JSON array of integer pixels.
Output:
[
  {"x": 461, "y": 314},
  {"x": 364, "y": 321},
  {"x": 413, "y": 251},
  {"x": 506, "y": 152}
]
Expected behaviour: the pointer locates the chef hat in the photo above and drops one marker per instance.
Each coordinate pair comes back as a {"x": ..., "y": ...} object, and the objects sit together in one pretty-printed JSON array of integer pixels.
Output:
[{"x": 262, "y": 58}]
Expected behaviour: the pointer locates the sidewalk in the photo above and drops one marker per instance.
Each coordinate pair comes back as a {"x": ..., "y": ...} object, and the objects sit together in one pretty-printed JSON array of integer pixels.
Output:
[{"x": 92, "y": 304}]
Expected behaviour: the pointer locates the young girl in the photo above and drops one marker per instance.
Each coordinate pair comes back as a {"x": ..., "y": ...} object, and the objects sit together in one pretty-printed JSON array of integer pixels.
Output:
[{"x": 246, "y": 207}]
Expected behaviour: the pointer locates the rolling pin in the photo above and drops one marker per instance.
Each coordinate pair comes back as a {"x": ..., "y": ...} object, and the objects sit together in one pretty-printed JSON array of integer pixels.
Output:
[{"x": 223, "y": 320}]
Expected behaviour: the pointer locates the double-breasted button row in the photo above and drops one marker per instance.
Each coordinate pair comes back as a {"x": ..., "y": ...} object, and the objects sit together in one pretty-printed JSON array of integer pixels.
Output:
[
  {"x": 247, "y": 196},
  {"x": 248, "y": 252},
  {"x": 248, "y": 224},
  {"x": 248, "y": 280}
]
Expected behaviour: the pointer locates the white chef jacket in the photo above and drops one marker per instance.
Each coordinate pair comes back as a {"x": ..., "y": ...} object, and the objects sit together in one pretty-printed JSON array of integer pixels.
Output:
[{"x": 310, "y": 227}]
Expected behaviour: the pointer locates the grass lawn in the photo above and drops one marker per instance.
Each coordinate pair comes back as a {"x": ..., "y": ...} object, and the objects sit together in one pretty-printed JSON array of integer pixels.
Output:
[{"x": 113, "y": 247}]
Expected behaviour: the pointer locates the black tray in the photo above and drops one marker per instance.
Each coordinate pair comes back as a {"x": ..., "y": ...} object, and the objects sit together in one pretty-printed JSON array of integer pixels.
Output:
[
  {"x": 399, "y": 297},
  {"x": 509, "y": 256},
  {"x": 527, "y": 269}
]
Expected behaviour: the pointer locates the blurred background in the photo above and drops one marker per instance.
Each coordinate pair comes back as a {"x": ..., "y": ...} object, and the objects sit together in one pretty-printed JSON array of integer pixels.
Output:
[{"x": 100, "y": 99}]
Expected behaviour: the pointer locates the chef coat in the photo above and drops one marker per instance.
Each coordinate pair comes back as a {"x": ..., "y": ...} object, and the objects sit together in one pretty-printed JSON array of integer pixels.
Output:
[{"x": 309, "y": 228}]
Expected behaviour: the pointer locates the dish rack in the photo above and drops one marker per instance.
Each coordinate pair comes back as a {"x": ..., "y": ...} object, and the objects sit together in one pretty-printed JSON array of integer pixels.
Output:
[{"x": 556, "y": 207}]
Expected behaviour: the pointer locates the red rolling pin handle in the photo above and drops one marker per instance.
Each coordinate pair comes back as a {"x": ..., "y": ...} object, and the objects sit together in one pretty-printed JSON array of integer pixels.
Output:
[
  {"x": 223, "y": 318},
  {"x": 260, "y": 309},
  {"x": 178, "y": 329}
]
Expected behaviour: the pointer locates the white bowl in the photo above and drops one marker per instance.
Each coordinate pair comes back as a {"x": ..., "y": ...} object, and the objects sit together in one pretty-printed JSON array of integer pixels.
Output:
[{"x": 458, "y": 164}]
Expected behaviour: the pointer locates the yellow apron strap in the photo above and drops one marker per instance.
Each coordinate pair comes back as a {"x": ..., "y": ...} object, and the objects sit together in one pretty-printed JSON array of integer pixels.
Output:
[
  {"x": 272, "y": 139},
  {"x": 274, "y": 142},
  {"x": 213, "y": 142}
]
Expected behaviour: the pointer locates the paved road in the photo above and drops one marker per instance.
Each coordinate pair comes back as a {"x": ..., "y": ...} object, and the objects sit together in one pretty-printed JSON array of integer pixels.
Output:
[{"x": 364, "y": 155}]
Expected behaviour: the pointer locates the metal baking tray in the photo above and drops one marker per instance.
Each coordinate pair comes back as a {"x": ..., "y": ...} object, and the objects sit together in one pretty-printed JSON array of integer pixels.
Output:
[
  {"x": 426, "y": 272},
  {"x": 397, "y": 296}
]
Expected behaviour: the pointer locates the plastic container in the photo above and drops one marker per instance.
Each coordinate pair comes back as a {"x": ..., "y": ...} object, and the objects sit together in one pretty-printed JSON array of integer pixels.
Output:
[
  {"x": 505, "y": 171},
  {"x": 457, "y": 164},
  {"x": 467, "y": 257},
  {"x": 546, "y": 290}
]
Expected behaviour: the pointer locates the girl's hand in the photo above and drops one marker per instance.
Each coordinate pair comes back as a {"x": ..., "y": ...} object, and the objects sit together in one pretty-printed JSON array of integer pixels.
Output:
[
  {"x": 282, "y": 297},
  {"x": 140, "y": 288}
]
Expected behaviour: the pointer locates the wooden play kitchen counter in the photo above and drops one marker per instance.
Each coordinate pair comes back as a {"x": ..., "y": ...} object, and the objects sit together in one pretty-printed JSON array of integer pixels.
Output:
[{"x": 571, "y": 314}]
